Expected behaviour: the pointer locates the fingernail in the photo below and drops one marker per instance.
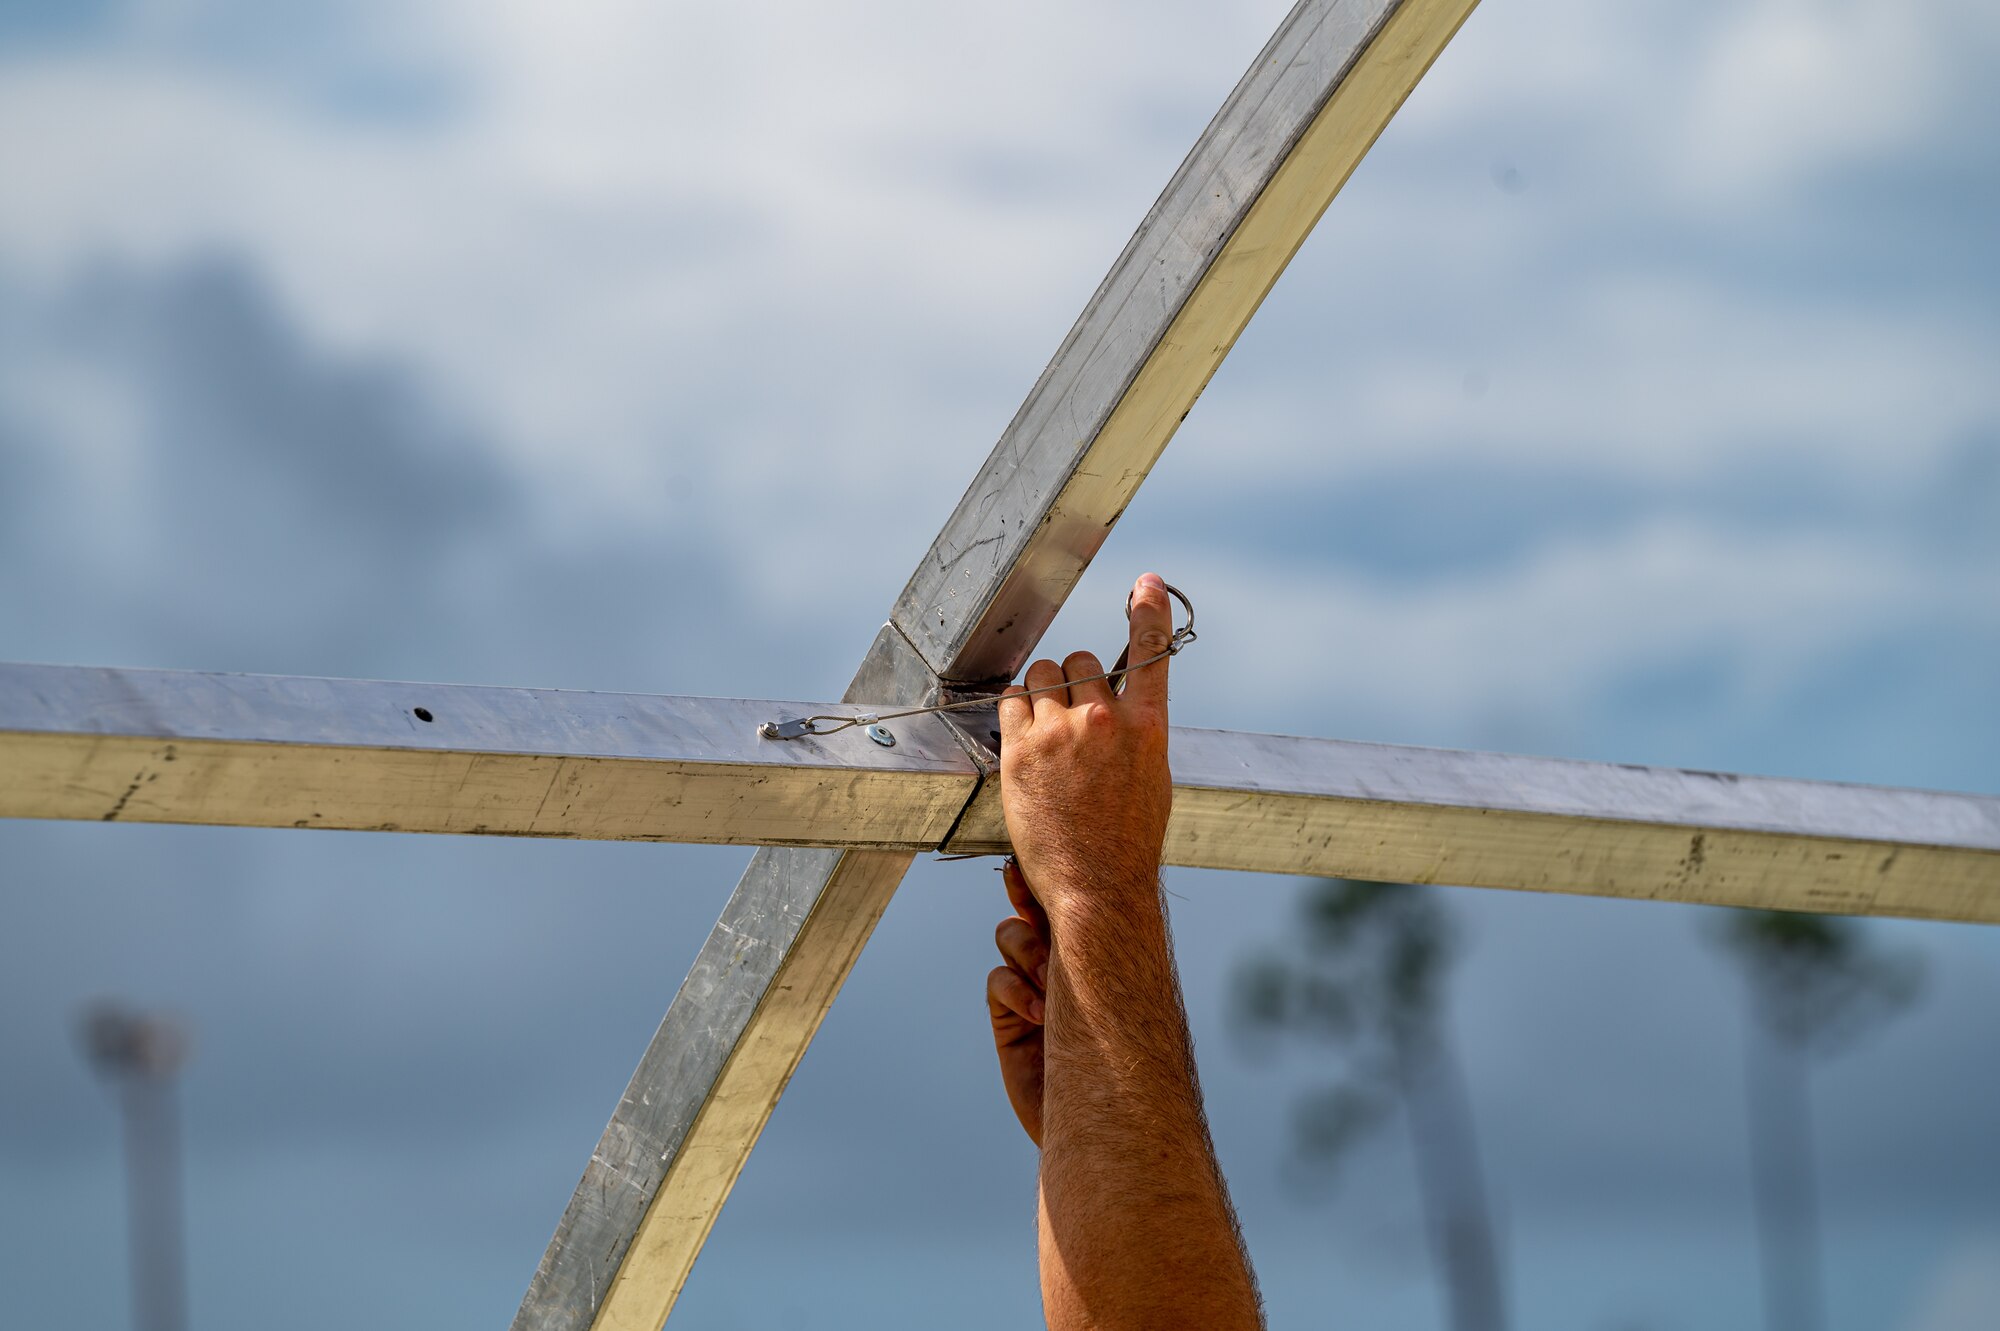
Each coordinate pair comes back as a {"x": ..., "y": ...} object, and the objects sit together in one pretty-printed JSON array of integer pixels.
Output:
[
  {"x": 1151, "y": 580},
  {"x": 1034, "y": 1009},
  {"x": 1042, "y": 975}
]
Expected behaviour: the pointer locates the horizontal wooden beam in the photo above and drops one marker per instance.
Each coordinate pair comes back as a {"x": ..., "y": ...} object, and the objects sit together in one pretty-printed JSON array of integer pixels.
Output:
[
  {"x": 263, "y": 751},
  {"x": 1283, "y": 804}
]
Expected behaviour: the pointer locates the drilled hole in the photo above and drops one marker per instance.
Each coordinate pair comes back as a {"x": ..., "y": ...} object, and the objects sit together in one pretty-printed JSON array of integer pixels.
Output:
[{"x": 423, "y": 714}]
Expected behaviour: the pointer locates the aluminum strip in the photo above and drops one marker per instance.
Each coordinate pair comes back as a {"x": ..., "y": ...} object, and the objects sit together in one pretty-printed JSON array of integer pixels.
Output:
[
  {"x": 721, "y": 1058},
  {"x": 1160, "y": 325},
  {"x": 1282, "y": 804},
  {"x": 269, "y": 751},
  {"x": 994, "y": 579}
]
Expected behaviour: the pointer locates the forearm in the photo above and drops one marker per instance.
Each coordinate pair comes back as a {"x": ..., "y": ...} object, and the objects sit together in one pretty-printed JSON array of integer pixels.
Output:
[{"x": 1135, "y": 1224}]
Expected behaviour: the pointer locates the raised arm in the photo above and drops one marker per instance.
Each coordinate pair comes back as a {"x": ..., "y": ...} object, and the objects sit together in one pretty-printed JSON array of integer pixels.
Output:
[{"x": 1136, "y": 1229}]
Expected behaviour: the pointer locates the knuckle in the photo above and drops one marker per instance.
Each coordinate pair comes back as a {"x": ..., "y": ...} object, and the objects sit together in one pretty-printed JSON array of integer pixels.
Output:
[
  {"x": 1096, "y": 718},
  {"x": 1154, "y": 640}
]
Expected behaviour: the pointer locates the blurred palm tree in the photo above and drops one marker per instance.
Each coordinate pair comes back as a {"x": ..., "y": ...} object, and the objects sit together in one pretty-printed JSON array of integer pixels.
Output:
[
  {"x": 1365, "y": 975},
  {"x": 1814, "y": 983}
]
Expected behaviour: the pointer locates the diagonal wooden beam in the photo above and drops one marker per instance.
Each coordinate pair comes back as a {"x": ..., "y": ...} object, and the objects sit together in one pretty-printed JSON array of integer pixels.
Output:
[
  {"x": 1173, "y": 305},
  {"x": 1160, "y": 325},
  {"x": 714, "y": 1070},
  {"x": 706, "y": 1085}
]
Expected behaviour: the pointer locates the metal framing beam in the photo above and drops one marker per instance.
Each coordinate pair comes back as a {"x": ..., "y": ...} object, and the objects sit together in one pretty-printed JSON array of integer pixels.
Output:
[
  {"x": 1159, "y": 326},
  {"x": 265, "y": 751},
  {"x": 706, "y": 1085},
  {"x": 247, "y": 750},
  {"x": 1038, "y": 510},
  {"x": 714, "y": 1070},
  {"x": 1282, "y": 804},
  {"x": 260, "y": 751},
  {"x": 273, "y": 752}
]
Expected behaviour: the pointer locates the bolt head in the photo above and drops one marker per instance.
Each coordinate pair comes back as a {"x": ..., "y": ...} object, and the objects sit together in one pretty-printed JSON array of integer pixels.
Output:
[{"x": 881, "y": 735}]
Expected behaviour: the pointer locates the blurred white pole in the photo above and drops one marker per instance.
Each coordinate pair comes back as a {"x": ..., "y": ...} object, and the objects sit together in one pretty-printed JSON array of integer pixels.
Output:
[{"x": 141, "y": 1055}]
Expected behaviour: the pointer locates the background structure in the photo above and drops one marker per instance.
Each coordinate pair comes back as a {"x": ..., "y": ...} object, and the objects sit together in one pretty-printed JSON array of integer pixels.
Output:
[{"x": 1633, "y": 402}]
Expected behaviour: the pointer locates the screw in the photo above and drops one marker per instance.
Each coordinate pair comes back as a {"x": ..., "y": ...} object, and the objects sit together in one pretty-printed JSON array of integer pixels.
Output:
[{"x": 881, "y": 735}]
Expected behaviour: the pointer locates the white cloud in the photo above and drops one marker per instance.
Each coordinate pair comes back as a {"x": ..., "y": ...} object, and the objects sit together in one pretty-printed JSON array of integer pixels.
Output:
[
  {"x": 1541, "y": 637},
  {"x": 1623, "y": 370},
  {"x": 636, "y": 207},
  {"x": 1787, "y": 90},
  {"x": 800, "y": 266}
]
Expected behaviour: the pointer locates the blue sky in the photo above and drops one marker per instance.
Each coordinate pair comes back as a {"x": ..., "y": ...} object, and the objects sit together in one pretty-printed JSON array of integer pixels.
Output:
[{"x": 1635, "y": 401}]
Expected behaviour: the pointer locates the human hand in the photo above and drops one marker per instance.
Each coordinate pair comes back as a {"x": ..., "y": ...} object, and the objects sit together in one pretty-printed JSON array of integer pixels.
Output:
[
  {"x": 1083, "y": 771},
  {"x": 1015, "y": 997}
]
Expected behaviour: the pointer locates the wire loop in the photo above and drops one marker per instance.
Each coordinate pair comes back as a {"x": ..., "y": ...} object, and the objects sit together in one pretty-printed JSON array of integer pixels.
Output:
[{"x": 803, "y": 726}]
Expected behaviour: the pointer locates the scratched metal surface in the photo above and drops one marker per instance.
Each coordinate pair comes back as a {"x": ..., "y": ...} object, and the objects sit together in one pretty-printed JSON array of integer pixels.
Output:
[
  {"x": 364, "y": 713},
  {"x": 974, "y": 609},
  {"x": 707, "y": 1082},
  {"x": 706, "y": 1085},
  {"x": 269, "y": 751},
  {"x": 1284, "y": 804},
  {"x": 1159, "y": 325}
]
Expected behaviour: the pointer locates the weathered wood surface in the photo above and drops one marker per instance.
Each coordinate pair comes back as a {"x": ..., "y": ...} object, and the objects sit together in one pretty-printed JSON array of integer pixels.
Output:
[
  {"x": 1284, "y": 804},
  {"x": 270, "y": 751},
  {"x": 721, "y": 1058},
  {"x": 1160, "y": 325},
  {"x": 265, "y": 751},
  {"x": 1050, "y": 492}
]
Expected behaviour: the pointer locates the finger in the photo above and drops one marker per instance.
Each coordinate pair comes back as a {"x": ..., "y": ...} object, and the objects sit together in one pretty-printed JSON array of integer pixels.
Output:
[
  {"x": 1023, "y": 896},
  {"x": 1025, "y": 949},
  {"x": 1152, "y": 631},
  {"x": 1015, "y": 712},
  {"x": 1078, "y": 667},
  {"x": 1008, "y": 995},
  {"x": 1046, "y": 674}
]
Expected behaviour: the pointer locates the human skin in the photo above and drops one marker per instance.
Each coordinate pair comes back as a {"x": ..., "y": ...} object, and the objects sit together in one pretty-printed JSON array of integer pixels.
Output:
[{"x": 1134, "y": 1222}]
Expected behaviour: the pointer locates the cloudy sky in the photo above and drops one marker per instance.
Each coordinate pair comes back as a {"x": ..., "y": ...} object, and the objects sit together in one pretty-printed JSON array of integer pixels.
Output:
[{"x": 1637, "y": 400}]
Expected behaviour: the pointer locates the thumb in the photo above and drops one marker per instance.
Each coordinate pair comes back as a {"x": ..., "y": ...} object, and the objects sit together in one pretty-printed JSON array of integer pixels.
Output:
[{"x": 1152, "y": 629}]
